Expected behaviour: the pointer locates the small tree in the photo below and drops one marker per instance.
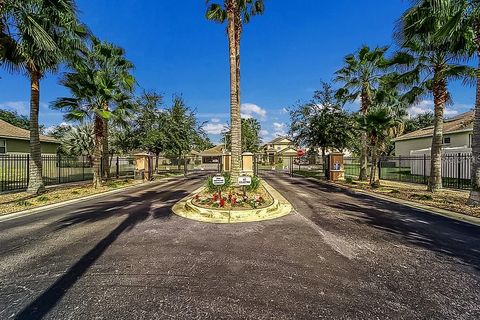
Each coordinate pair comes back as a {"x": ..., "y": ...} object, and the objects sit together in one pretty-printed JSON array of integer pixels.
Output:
[{"x": 378, "y": 124}]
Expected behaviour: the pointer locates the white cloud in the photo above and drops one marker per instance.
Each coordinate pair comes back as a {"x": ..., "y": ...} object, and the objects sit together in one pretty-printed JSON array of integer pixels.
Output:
[
  {"x": 21, "y": 107},
  {"x": 264, "y": 133},
  {"x": 215, "y": 120},
  {"x": 50, "y": 129},
  {"x": 215, "y": 128},
  {"x": 248, "y": 110},
  {"x": 284, "y": 111},
  {"x": 279, "y": 129},
  {"x": 426, "y": 106}
]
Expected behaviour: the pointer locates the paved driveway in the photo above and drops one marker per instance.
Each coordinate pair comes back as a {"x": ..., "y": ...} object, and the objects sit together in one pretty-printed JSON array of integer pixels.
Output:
[{"x": 125, "y": 256}]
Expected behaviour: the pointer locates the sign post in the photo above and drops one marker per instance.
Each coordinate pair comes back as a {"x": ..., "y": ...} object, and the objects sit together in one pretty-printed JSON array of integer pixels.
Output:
[
  {"x": 244, "y": 181},
  {"x": 219, "y": 181}
]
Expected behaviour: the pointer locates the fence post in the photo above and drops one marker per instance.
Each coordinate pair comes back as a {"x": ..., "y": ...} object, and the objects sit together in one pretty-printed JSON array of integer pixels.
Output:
[
  {"x": 399, "y": 168},
  {"x": 185, "y": 166},
  {"x": 459, "y": 169},
  {"x": 58, "y": 169},
  {"x": 117, "y": 168},
  {"x": 379, "y": 166},
  {"x": 424, "y": 168},
  {"x": 28, "y": 169}
]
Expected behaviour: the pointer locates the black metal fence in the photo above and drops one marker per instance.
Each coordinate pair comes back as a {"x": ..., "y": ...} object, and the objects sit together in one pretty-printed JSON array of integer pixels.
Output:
[
  {"x": 416, "y": 169},
  {"x": 14, "y": 169}
]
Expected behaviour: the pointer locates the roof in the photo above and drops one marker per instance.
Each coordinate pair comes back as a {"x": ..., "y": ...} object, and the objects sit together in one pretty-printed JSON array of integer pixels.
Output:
[
  {"x": 278, "y": 139},
  {"x": 10, "y": 131},
  {"x": 215, "y": 151},
  {"x": 288, "y": 152},
  {"x": 460, "y": 123}
]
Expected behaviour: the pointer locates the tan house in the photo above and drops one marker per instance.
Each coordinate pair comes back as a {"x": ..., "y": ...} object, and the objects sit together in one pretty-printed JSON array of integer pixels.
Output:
[
  {"x": 457, "y": 133},
  {"x": 15, "y": 140},
  {"x": 275, "y": 150}
]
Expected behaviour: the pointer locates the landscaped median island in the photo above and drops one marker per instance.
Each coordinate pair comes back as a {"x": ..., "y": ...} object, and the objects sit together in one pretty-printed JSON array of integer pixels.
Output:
[{"x": 222, "y": 202}]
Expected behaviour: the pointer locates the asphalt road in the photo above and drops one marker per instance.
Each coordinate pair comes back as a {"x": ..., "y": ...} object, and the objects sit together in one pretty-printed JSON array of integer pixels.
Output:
[{"x": 342, "y": 256}]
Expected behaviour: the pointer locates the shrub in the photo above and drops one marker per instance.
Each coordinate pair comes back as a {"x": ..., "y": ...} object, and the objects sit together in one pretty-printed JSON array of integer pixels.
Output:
[
  {"x": 24, "y": 203},
  {"x": 349, "y": 180},
  {"x": 43, "y": 198},
  {"x": 256, "y": 183},
  {"x": 212, "y": 188}
]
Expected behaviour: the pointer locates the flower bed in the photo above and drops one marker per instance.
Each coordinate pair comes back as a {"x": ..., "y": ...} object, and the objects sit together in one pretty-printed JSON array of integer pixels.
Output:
[{"x": 233, "y": 198}]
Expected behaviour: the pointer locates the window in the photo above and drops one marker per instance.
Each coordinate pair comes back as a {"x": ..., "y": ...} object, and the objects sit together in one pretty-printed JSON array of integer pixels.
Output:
[
  {"x": 3, "y": 146},
  {"x": 470, "y": 140},
  {"x": 446, "y": 140}
]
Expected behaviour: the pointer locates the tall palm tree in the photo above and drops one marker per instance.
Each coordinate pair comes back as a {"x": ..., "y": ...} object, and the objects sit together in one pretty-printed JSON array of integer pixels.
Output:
[
  {"x": 40, "y": 35},
  {"x": 236, "y": 13},
  {"x": 96, "y": 87},
  {"x": 360, "y": 77},
  {"x": 431, "y": 62},
  {"x": 465, "y": 23}
]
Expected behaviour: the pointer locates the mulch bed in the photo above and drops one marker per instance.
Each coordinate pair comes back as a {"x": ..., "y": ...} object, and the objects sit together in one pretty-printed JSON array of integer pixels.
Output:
[
  {"x": 453, "y": 200},
  {"x": 233, "y": 199},
  {"x": 14, "y": 202}
]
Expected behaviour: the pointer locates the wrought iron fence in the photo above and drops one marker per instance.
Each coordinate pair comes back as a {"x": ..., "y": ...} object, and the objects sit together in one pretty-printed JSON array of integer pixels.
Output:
[
  {"x": 416, "y": 169},
  {"x": 57, "y": 169},
  {"x": 304, "y": 166}
]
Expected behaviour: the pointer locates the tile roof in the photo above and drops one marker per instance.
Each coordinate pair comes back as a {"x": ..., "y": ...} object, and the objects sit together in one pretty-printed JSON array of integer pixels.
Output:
[
  {"x": 8, "y": 130},
  {"x": 462, "y": 122},
  {"x": 215, "y": 151}
]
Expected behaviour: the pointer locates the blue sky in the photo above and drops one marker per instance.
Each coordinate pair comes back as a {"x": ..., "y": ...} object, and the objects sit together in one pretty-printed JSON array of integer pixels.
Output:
[{"x": 285, "y": 54}]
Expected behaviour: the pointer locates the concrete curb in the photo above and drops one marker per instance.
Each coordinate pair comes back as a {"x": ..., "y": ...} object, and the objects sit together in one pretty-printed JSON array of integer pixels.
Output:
[
  {"x": 24, "y": 213},
  {"x": 426, "y": 208},
  {"x": 280, "y": 207}
]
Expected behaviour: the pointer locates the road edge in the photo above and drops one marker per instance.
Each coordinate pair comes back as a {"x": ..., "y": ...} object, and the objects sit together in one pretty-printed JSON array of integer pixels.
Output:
[
  {"x": 425, "y": 208},
  {"x": 25, "y": 213}
]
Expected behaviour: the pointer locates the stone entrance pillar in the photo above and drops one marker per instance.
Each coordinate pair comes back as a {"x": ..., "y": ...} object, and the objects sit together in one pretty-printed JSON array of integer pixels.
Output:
[
  {"x": 247, "y": 163},
  {"x": 226, "y": 162},
  {"x": 143, "y": 166},
  {"x": 336, "y": 170}
]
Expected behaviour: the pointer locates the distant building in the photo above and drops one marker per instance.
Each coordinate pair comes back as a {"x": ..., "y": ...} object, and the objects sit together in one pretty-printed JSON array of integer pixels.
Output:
[
  {"x": 457, "y": 133},
  {"x": 15, "y": 140},
  {"x": 275, "y": 150}
]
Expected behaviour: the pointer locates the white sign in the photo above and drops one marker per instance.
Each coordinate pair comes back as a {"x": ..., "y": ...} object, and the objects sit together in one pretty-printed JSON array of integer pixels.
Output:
[
  {"x": 218, "y": 181},
  {"x": 244, "y": 181}
]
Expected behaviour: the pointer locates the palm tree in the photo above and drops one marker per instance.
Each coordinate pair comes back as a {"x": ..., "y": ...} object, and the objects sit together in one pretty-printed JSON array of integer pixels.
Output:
[
  {"x": 236, "y": 13},
  {"x": 360, "y": 77},
  {"x": 379, "y": 124},
  {"x": 95, "y": 86},
  {"x": 78, "y": 141},
  {"x": 465, "y": 23},
  {"x": 39, "y": 36},
  {"x": 431, "y": 62}
]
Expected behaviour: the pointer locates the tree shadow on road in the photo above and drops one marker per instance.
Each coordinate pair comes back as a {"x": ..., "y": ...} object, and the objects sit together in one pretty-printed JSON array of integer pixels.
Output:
[
  {"x": 137, "y": 209},
  {"x": 446, "y": 236}
]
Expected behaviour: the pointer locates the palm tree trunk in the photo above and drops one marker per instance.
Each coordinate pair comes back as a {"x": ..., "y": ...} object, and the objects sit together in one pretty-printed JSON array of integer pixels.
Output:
[
  {"x": 97, "y": 152},
  {"x": 439, "y": 97},
  {"x": 474, "y": 198},
  {"x": 105, "y": 151},
  {"x": 364, "y": 138},
  {"x": 373, "y": 170},
  {"x": 35, "y": 182},
  {"x": 235, "y": 117}
]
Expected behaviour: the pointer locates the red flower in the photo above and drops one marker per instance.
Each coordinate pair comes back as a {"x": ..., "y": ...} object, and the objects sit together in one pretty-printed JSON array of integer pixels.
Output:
[
  {"x": 222, "y": 202},
  {"x": 234, "y": 201},
  {"x": 215, "y": 197}
]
